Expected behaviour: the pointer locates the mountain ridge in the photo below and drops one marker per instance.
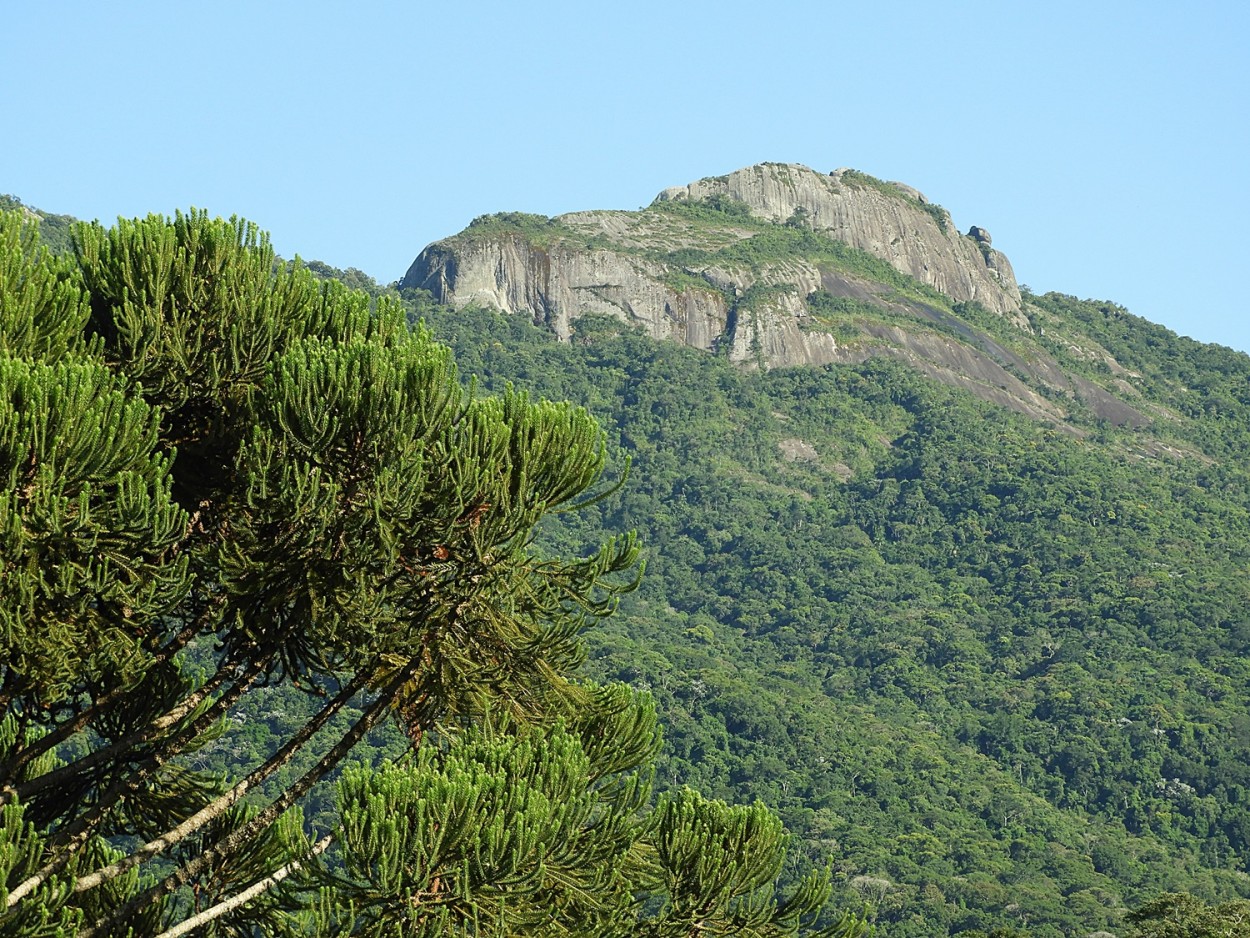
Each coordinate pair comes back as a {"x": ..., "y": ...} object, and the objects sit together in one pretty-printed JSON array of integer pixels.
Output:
[{"x": 776, "y": 265}]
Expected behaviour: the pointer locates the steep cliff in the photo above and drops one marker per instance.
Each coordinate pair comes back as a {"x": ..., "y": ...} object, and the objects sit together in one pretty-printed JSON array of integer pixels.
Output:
[
  {"x": 887, "y": 219},
  {"x": 559, "y": 282},
  {"x": 775, "y": 265}
]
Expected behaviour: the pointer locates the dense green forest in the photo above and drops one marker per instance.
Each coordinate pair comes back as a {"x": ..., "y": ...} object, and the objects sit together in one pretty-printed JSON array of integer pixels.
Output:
[
  {"x": 996, "y": 671},
  {"x": 992, "y": 673}
]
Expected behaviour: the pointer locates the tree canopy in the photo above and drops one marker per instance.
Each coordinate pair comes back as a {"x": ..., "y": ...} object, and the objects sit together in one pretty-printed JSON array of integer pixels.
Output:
[{"x": 219, "y": 474}]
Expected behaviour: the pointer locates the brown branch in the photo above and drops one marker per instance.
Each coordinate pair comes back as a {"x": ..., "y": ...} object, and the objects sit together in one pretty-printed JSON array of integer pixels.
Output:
[
  {"x": 67, "y": 729},
  {"x": 247, "y": 895},
  {"x": 146, "y": 735},
  {"x": 73, "y": 837},
  {"x": 223, "y": 802},
  {"x": 236, "y": 839}
]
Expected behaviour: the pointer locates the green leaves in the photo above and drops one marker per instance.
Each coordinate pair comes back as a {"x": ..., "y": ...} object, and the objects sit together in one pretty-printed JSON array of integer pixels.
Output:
[
  {"x": 715, "y": 856},
  {"x": 719, "y": 864},
  {"x": 42, "y": 304},
  {"x": 514, "y": 830},
  {"x": 348, "y": 493},
  {"x": 88, "y": 527},
  {"x": 465, "y": 831},
  {"x": 195, "y": 311},
  {"x": 508, "y": 829},
  {"x": 384, "y": 513},
  {"x": 1181, "y": 916}
]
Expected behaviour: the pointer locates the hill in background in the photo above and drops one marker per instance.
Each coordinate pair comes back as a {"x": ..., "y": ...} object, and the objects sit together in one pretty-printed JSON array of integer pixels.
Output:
[{"x": 965, "y": 599}]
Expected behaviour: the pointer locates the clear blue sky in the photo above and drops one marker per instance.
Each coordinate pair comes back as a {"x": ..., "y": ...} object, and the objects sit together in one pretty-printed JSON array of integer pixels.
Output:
[{"x": 1103, "y": 144}]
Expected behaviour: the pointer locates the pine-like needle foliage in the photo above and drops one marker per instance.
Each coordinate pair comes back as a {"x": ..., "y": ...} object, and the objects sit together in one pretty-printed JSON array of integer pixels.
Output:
[{"x": 201, "y": 448}]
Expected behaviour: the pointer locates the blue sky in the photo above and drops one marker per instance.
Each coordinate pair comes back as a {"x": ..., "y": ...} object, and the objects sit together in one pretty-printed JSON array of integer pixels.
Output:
[{"x": 1103, "y": 144}]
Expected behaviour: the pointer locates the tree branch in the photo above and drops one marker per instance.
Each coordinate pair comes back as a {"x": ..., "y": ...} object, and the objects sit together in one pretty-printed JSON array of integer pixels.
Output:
[
  {"x": 236, "y": 839},
  {"x": 222, "y": 803},
  {"x": 247, "y": 895}
]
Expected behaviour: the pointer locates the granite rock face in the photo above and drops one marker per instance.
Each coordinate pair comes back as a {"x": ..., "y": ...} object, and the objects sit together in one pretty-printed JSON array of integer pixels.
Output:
[
  {"x": 749, "y": 265},
  {"x": 558, "y": 284},
  {"x": 608, "y": 262},
  {"x": 889, "y": 220}
]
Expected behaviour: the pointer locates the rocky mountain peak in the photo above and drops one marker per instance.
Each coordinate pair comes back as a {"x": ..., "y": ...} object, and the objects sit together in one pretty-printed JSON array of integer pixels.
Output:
[
  {"x": 890, "y": 220},
  {"x": 773, "y": 265}
]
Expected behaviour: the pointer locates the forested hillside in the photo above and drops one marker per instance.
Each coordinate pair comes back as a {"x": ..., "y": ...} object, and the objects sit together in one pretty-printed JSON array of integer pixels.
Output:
[
  {"x": 990, "y": 664},
  {"x": 994, "y": 670}
]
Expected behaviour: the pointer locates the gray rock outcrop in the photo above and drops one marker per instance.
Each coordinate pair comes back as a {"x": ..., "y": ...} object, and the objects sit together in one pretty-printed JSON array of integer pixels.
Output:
[
  {"x": 689, "y": 273},
  {"x": 605, "y": 262},
  {"x": 558, "y": 284},
  {"x": 892, "y": 221}
]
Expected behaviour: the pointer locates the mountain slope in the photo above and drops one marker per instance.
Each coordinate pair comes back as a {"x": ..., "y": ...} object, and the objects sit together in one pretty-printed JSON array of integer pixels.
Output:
[
  {"x": 968, "y": 603},
  {"x": 999, "y": 666}
]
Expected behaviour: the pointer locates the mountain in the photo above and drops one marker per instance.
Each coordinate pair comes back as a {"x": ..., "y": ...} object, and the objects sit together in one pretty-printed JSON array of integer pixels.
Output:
[
  {"x": 956, "y": 581},
  {"x": 53, "y": 229},
  {"x": 778, "y": 265}
]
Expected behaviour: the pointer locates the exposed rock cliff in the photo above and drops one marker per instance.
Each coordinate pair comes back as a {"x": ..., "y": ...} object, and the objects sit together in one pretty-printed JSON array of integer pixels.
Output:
[
  {"x": 886, "y": 219},
  {"x": 644, "y": 266},
  {"x": 561, "y": 282},
  {"x": 774, "y": 265}
]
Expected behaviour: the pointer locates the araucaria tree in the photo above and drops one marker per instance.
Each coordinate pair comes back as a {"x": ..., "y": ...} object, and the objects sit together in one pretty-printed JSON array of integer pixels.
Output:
[{"x": 204, "y": 448}]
